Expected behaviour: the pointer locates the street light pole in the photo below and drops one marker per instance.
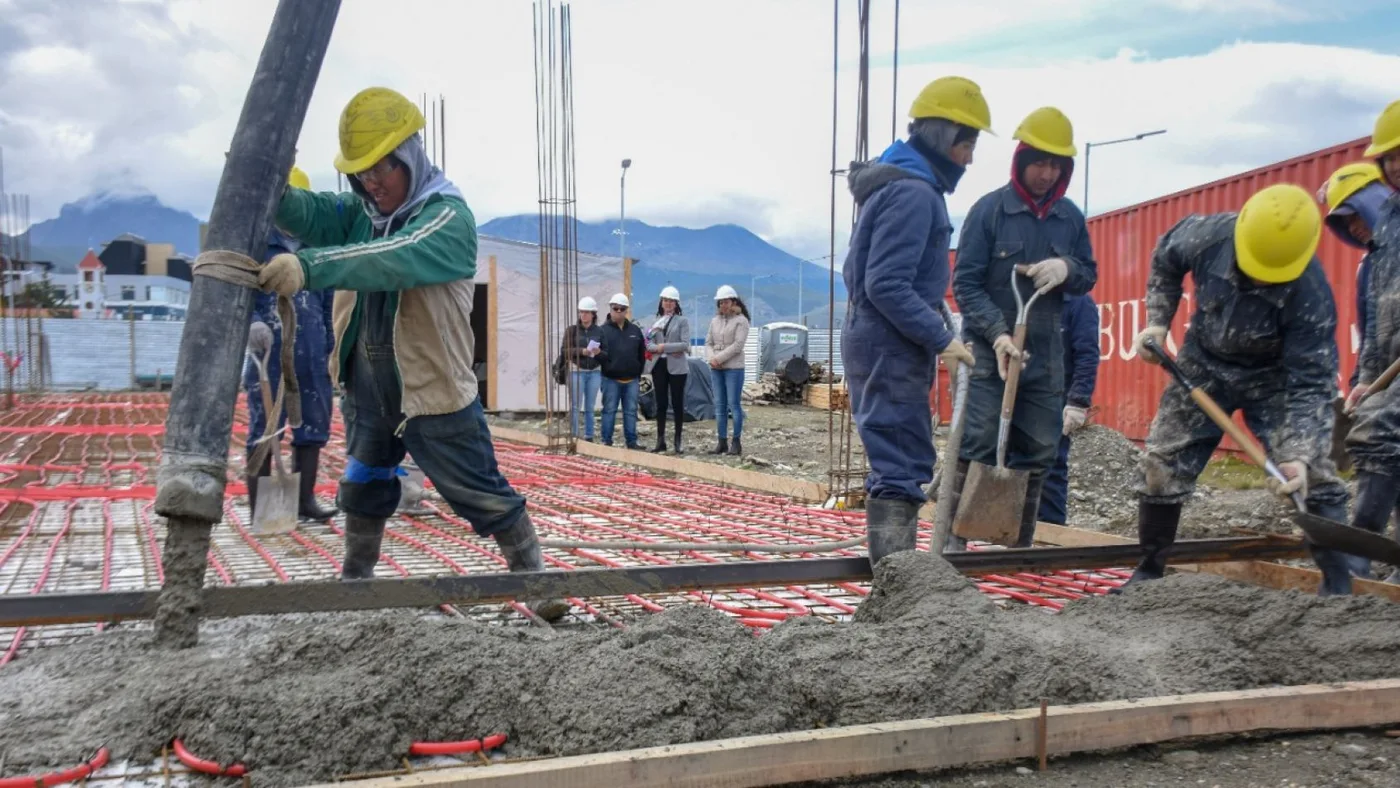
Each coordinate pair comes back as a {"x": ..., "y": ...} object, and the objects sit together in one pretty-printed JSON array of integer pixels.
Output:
[
  {"x": 1088, "y": 148},
  {"x": 622, "y": 221},
  {"x": 800, "y": 265}
]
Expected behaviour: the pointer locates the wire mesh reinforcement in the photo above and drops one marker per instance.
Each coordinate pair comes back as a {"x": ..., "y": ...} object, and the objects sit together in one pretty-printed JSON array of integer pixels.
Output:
[{"x": 77, "y": 485}]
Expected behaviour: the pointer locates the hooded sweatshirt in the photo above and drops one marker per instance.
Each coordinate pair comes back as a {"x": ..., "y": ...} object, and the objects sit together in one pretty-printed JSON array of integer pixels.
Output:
[
  {"x": 896, "y": 272},
  {"x": 1366, "y": 203}
]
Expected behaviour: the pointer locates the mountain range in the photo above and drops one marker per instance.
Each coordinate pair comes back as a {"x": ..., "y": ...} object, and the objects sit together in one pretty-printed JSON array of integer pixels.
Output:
[{"x": 695, "y": 261}]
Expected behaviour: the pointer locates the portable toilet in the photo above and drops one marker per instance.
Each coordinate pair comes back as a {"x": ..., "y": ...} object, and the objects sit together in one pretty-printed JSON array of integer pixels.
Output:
[{"x": 778, "y": 342}]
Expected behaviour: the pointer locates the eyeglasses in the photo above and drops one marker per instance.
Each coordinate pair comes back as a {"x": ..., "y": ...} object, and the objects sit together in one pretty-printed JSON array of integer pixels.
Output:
[
  {"x": 619, "y": 309},
  {"x": 377, "y": 173}
]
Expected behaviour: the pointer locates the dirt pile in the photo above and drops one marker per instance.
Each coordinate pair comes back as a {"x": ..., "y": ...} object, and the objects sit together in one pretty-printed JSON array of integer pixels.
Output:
[
  {"x": 1102, "y": 471},
  {"x": 305, "y": 699}
]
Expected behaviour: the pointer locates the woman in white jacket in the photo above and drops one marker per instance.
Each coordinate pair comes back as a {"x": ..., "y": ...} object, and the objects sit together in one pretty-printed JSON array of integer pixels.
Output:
[{"x": 729, "y": 332}]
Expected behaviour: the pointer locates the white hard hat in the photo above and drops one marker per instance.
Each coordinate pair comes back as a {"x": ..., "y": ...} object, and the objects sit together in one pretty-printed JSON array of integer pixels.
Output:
[
  {"x": 620, "y": 299},
  {"x": 587, "y": 304},
  {"x": 671, "y": 293},
  {"x": 725, "y": 291}
]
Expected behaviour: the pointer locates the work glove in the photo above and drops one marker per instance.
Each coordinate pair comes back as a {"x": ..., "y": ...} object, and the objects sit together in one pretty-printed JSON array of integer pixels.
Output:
[
  {"x": 1354, "y": 398},
  {"x": 1296, "y": 472},
  {"x": 1158, "y": 333},
  {"x": 1006, "y": 351},
  {"x": 1049, "y": 274},
  {"x": 282, "y": 275},
  {"x": 1074, "y": 418},
  {"x": 955, "y": 352},
  {"x": 259, "y": 339}
]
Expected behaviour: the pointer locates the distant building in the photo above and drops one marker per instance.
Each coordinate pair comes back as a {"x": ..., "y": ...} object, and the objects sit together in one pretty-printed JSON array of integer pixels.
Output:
[{"x": 130, "y": 277}]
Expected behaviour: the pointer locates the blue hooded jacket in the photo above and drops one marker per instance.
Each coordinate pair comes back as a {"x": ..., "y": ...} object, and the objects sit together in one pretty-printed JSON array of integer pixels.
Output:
[
  {"x": 1081, "y": 339},
  {"x": 896, "y": 272}
]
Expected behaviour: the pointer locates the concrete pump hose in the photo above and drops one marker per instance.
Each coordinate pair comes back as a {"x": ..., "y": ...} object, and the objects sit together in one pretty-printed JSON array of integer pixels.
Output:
[
  {"x": 720, "y": 547},
  {"x": 242, "y": 270}
]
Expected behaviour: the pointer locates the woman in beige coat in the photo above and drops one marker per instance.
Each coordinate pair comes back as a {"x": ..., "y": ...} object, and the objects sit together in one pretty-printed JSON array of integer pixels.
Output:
[{"x": 728, "y": 334}]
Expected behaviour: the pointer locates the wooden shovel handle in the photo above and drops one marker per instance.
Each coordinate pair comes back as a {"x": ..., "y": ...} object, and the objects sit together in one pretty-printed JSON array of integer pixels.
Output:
[
  {"x": 1013, "y": 373},
  {"x": 1222, "y": 420},
  {"x": 1385, "y": 379}
]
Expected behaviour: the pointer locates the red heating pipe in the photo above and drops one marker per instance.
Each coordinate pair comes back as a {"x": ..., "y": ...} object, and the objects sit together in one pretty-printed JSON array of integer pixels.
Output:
[
  {"x": 43, "y": 579},
  {"x": 422, "y": 748},
  {"x": 80, "y": 772},
  {"x": 107, "y": 538},
  {"x": 205, "y": 766}
]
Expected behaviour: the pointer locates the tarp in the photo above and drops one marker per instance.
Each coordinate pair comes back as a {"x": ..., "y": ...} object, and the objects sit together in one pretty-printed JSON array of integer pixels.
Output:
[{"x": 699, "y": 394}]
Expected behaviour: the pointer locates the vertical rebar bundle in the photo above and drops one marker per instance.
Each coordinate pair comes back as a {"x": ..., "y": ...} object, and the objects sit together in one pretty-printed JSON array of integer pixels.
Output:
[
  {"x": 434, "y": 128},
  {"x": 558, "y": 226}
]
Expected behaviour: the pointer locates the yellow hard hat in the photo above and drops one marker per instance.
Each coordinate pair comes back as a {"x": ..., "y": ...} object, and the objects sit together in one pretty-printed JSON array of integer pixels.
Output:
[
  {"x": 1277, "y": 233},
  {"x": 298, "y": 180},
  {"x": 1386, "y": 137},
  {"x": 374, "y": 123},
  {"x": 953, "y": 98},
  {"x": 1047, "y": 129},
  {"x": 1346, "y": 181}
]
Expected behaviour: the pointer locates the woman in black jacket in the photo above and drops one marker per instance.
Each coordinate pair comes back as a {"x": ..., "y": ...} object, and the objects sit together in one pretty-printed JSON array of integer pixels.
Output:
[{"x": 582, "y": 345}]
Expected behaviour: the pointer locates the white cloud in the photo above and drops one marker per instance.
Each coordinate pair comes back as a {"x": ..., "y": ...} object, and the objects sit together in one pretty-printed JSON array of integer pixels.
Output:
[{"x": 725, "y": 108}]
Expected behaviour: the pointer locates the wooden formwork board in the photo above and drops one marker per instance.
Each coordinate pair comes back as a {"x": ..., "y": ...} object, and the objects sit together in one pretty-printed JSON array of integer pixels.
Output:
[
  {"x": 941, "y": 742},
  {"x": 824, "y": 397}
]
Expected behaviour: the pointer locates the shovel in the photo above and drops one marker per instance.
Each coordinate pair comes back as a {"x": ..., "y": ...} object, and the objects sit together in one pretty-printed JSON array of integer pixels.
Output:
[
  {"x": 994, "y": 497},
  {"x": 1321, "y": 531},
  {"x": 276, "y": 511}
]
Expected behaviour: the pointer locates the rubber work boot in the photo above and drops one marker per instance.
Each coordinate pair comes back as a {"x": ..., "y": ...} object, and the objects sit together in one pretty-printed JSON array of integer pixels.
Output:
[
  {"x": 252, "y": 481},
  {"x": 363, "y": 537},
  {"x": 721, "y": 447},
  {"x": 1034, "y": 485},
  {"x": 1157, "y": 524},
  {"x": 306, "y": 460},
  {"x": 736, "y": 448},
  {"x": 521, "y": 549},
  {"x": 1375, "y": 500},
  {"x": 891, "y": 525}
]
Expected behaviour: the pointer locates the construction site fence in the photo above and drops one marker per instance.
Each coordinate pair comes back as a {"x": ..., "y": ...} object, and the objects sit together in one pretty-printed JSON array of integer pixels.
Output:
[{"x": 90, "y": 355}]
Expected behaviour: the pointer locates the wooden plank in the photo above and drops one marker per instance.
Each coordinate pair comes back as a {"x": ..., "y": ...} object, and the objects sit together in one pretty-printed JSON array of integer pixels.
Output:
[
  {"x": 799, "y": 489},
  {"x": 819, "y": 396},
  {"x": 941, "y": 743},
  {"x": 493, "y": 328}
]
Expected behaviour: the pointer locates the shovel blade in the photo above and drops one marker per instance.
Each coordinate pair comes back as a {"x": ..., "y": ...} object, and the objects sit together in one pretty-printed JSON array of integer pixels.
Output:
[
  {"x": 1354, "y": 541},
  {"x": 276, "y": 512},
  {"x": 990, "y": 507}
]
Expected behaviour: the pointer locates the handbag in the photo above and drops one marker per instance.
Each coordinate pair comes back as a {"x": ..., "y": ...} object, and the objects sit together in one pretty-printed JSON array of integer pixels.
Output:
[{"x": 560, "y": 369}]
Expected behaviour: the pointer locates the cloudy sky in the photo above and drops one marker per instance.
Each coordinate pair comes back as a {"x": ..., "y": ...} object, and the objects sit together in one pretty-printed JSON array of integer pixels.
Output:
[{"x": 725, "y": 107}]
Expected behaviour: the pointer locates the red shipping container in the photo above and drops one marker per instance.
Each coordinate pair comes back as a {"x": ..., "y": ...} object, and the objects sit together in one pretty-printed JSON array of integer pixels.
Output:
[{"x": 1128, "y": 390}]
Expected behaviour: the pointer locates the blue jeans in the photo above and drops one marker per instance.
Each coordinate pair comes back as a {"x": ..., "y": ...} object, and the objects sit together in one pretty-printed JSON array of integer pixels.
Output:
[
  {"x": 729, "y": 388},
  {"x": 1054, "y": 496},
  {"x": 584, "y": 390},
  {"x": 613, "y": 392}
]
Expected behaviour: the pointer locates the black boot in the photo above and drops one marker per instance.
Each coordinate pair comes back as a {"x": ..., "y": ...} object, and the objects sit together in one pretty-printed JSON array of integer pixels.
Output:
[
  {"x": 1157, "y": 524},
  {"x": 521, "y": 549},
  {"x": 306, "y": 460},
  {"x": 1375, "y": 501},
  {"x": 252, "y": 481},
  {"x": 1031, "y": 510},
  {"x": 736, "y": 448},
  {"x": 679, "y": 450},
  {"x": 956, "y": 544},
  {"x": 363, "y": 537},
  {"x": 660, "y": 436},
  {"x": 721, "y": 447},
  {"x": 891, "y": 526}
]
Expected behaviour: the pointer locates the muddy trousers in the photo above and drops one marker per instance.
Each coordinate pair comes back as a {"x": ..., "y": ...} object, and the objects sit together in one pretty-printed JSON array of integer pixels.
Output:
[
  {"x": 1377, "y": 495},
  {"x": 1054, "y": 498},
  {"x": 670, "y": 391}
]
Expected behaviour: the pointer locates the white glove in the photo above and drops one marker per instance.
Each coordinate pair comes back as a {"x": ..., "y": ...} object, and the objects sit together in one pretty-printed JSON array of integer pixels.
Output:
[
  {"x": 1158, "y": 333},
  {"x": 1049, "y": 274},
  {"x": 1074, "y": 418},
  {"x": 955, "y": 352},
  {"x": 282, "y": 275},
  {"x": 1297, "y": 474},
  {"x": 1354, "y": 398},
  {"x": 259, "y": 339},
  {"x": 1006, "y": 351}
]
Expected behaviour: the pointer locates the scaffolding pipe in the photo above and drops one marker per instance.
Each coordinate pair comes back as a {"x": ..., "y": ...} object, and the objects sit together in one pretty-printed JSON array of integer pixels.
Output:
[{"x": 192, "y": 475}]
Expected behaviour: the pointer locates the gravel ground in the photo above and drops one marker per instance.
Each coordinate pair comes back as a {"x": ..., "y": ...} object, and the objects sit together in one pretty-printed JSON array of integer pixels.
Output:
[{"x": 1354, "y": 759}]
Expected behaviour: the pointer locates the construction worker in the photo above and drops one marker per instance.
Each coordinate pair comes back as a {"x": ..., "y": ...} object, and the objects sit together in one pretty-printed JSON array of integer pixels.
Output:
[
  {"x": 1027, "y": 222},
  {"x": 401, "y": 251},
  {"x": 314, "y": 341},
  {"x": 1262, "y": 339},
  {"x": 1080, "y": 326},
  {"x": 896, "y": 274},
  {"x": 1374, "y": 440}
]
